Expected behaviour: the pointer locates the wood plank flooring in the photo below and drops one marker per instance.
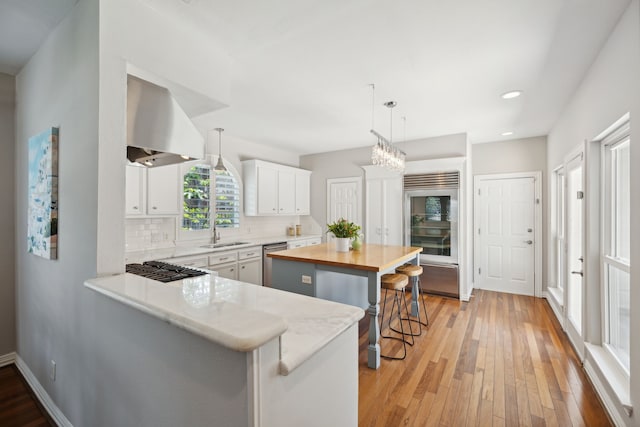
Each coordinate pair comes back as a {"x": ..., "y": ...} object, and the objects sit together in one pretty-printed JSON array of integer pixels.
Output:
[
  {"x": 499, "y": 360},
  {"x": 18, "y": 405}
]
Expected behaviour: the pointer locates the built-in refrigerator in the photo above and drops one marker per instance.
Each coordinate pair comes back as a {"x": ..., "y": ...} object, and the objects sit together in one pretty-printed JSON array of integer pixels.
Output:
[{"x": 431, "y": 222}]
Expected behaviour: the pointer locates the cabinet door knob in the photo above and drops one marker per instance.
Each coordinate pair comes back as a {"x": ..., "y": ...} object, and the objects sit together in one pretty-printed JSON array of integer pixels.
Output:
[
  {"x": 135, "y": 207},
  {"x": 154, "y": 207}
]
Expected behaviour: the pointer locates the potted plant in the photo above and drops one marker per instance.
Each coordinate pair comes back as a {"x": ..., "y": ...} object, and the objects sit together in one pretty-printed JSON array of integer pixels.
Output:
[{"x": 344, "y": 232}]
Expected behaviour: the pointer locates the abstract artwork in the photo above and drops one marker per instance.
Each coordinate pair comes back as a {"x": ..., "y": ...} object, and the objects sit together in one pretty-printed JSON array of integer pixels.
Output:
[{"x": 42, "y": 221}]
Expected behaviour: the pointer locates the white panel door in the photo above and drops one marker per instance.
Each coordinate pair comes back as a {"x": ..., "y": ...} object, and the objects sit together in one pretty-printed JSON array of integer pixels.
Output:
[
  {"x": 506, "y": 235},
  {"x": 344, "y": 199},
  {"x": 574, "y": 298}
]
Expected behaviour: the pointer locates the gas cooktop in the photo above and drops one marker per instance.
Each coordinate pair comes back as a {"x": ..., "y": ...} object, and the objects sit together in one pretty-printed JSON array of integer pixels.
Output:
[{"x": 162, "y": 271}]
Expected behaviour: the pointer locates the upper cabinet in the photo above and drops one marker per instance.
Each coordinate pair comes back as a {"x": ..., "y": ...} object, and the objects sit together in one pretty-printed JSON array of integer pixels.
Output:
[
  {"x": 273, "y": 189},
  {"x": 152, "y": 191}
]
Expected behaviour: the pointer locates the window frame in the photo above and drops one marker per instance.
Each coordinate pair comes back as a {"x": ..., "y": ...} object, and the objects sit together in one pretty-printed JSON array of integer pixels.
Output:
[
  {"x": 210, "y": 161},
  {"x": 558, "y": 217},
  {"x": 614, "y": 140}
]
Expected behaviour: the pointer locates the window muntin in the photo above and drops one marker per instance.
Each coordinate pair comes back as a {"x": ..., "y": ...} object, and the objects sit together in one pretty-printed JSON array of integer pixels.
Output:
[
  {"x": 616, "y": 243},
  {"x": 227, "y": 200},
  {"x": 200, "y": 184},
  {"x": 196, "y": 206}
]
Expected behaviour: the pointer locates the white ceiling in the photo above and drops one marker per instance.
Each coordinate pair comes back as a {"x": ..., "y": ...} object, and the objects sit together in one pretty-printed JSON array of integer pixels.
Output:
[
  {"x": 24, "y": 25},
  {"x": 302, "y": 67}
]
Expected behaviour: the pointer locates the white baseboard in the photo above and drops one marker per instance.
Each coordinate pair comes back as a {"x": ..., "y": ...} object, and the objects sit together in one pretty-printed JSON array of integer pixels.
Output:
[
  {"x": 7, "y": 359},
  {"x": 554, "y": 307},
  {"x": 602, "y": 393},
  {"x": 42, "y": 395}
]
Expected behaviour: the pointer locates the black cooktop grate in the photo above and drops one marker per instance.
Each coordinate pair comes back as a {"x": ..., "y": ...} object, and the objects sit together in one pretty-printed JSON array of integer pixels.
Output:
[{"x": 162, "y": 271}]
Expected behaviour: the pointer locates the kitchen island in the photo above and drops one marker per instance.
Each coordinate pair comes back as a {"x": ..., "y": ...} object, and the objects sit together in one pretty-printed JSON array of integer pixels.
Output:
[
  {"x": 296, "y": 270},
  {"x": 292, "y": 349}
]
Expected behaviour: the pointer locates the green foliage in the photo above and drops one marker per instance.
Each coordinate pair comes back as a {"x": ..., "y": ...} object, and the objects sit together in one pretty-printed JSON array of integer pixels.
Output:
[{"x": 343, "y": 228}]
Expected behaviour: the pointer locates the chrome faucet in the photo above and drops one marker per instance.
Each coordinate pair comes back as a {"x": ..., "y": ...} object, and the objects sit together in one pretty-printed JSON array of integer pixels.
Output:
[{"x": 215, "y": 237}]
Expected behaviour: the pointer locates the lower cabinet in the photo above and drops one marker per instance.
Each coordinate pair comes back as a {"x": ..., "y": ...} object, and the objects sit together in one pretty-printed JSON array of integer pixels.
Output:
[
  {"x": 244, "y": 265},
  {"x": 228, "y": 271},
  {"x": 250, "y": 271}
]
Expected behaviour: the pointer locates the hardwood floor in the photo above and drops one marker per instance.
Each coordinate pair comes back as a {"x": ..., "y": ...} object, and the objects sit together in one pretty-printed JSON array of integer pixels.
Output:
[
  {"x": 18, "y": 406},
  {"x": 499, "y": 360}
]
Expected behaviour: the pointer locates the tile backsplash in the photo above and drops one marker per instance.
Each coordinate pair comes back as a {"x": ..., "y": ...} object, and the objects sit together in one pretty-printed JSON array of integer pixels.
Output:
[
  {"x": 157, "y": 233},
  {"x": 149, "y": 233}
]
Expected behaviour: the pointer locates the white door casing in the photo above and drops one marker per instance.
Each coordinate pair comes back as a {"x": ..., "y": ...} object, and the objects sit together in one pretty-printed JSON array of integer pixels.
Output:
[
  {"x": 508, "y": 226},
  {"x": 344, "y": 200},
  {"x": 574, "y": 224}
]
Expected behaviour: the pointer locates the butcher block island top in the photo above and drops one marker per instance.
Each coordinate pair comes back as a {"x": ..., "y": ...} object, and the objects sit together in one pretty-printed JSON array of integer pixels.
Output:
[{"x": 371, "y": 257}]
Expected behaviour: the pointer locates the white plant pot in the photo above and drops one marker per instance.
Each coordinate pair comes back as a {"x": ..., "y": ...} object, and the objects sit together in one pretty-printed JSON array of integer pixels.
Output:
[{"x": 342, "y": 244}]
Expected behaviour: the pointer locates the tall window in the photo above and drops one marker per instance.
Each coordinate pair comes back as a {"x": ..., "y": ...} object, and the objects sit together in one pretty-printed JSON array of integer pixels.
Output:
[
  {"x": 616, "y": 242},
  {"x": 202, "y": 183}
]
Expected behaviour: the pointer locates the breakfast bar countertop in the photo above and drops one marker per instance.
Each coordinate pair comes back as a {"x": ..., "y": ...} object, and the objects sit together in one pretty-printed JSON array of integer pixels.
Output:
[{"x": 236, "y": 315}]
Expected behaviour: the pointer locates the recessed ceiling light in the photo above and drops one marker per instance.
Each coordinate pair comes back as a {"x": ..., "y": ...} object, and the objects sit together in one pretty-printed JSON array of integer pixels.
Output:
[
  {"x": 512, "y": 94},
  {"x": 507, "y": 133}
]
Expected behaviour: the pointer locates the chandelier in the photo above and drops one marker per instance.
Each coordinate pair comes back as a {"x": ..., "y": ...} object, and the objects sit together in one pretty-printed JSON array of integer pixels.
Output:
[{"x": 383, "y": 153}]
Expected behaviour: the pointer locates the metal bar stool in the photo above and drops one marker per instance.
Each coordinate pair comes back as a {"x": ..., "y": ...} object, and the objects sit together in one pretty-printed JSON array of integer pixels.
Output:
[
  {"x": 397, "y": 283},
  {"x": 414, "y": 272}
]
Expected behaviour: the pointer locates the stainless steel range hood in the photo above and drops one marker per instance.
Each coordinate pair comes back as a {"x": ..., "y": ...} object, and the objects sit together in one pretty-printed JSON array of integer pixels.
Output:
[{"x": 159, "y": 132}]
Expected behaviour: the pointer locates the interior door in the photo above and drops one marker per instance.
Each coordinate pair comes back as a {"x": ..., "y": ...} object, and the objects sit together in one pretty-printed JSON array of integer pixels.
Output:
[
  {"x": 574, "y": 296},
  {"x": 344, "y": 200},
  {"x": 505, "y": 232}
]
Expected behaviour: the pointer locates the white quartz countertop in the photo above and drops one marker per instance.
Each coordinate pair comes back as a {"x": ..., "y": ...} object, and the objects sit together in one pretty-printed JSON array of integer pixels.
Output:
[
  {"x": 236, "y": 315},
  {"x": 199, "y": 248}
]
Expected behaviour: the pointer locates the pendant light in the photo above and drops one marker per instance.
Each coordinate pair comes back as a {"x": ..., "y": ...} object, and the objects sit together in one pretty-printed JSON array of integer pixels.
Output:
[
  {"x": 383, "y": 153},
  {"x": 220, "y": 166}
]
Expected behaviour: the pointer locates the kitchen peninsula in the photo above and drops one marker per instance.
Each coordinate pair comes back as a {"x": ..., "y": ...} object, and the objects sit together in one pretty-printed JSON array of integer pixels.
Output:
[
  {"x": 274, "y": 355},
  {"x": 296, "y": 270}
]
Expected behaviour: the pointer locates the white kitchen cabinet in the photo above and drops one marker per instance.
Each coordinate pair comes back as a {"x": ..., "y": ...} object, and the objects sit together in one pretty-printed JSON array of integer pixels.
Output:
[
  {"x": 267, "y": 190},
  {"x": 228, "y": 271},
  {"x": 250, "y": 271},
  {"x": 153, "y": 191},
  {"x": 135, "y": 200},
  {"x": 273, "y": 189},
  {"x": 286, "y": 192},
  {"x": 383, "y": 206},
  {"x": 163, "y": 194},
  {"x": 303, "y": 192},
  {"x": 244, "y": 265},
  {"x": 301, "y": 243}
]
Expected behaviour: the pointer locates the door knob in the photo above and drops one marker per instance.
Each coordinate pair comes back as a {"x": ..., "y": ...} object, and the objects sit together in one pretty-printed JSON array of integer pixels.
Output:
[
  {"x": 529, "y": 242},
  {"x": 578, "y": 272}
]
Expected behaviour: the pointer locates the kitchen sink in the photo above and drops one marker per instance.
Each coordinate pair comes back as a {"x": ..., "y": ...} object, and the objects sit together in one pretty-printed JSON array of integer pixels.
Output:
[{"x": 223, "y": 245}]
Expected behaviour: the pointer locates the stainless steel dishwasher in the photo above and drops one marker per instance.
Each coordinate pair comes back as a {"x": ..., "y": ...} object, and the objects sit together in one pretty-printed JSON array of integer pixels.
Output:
[{"x": 266, "y": 261}]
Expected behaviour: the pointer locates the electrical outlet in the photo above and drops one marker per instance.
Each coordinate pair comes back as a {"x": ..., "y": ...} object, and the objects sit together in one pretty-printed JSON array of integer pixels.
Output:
[
  {"x": 52, "y": 374},
  {"x": 306, "y": 279}
]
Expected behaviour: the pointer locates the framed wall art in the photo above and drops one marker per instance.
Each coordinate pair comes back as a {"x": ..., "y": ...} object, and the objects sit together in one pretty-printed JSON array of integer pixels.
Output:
[{"x": 42, "y": 221}]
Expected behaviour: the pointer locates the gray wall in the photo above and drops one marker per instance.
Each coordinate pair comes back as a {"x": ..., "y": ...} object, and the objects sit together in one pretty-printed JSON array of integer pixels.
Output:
[
  {"x": 517, "y": 155},
  {"x": 610, "y": 89},
  {"x": 347, "y": 163},
  {"x": 115, "y": 365},
  {"x": 7, "y": 217}
]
